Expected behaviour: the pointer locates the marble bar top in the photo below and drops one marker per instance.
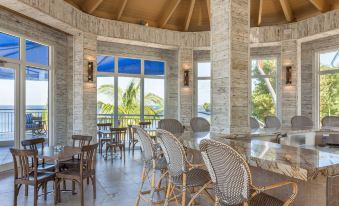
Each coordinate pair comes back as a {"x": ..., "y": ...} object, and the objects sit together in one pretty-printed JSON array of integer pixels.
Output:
[{"x": 304, "y": 163}]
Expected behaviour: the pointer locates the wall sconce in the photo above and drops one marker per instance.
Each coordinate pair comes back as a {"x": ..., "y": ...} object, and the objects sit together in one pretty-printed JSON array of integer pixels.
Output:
[
  {"x": 186, "y": 78},
  {"x": 288, "y": 75},
  {"x": 90, "y": 71}
]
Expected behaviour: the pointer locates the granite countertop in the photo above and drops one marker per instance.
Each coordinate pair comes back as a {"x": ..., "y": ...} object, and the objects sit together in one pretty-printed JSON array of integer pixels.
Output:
[{"x": 301, "y": 162}]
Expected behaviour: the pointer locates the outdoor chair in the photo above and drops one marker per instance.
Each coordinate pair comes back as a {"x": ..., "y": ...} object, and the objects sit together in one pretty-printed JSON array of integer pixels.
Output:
[
  {"x": 153, "y": 162},
  {"x": 171, "y": 125},
  {"x": 86, "y": 170},
  {"x": 27, "y": 174},
  {"x": 182, "y": 174},
  {"x": 301, "y": 122},
  {"x": 232, "y": 178},
  {"x": 199, "y": 124},
  {"x": 272, "y": 122}
]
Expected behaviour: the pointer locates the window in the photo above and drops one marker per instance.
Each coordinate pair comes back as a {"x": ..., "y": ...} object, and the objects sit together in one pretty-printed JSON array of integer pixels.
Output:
[
  {"x": 263, "y": 88},
  {"x": 9, "y": 46},
  {"x": 37, "y": 53},
  {"x": 328, "y": 84},
  {"x": 204, "y": 90},
  {"x": 124, "y": 104}
]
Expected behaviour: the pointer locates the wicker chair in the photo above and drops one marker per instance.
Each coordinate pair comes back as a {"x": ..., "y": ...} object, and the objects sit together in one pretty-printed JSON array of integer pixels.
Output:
[
  {"x": 199, "y": 124},
  {"x": 25, "y": 174},
  {"x": 232, "y": 178},
  {"x": 171, "y": 125},
  {"x": 272, "y": 122},
  {"x": 35, "y": 144},
  {"x": 182, "y": 174},
  {"x": 86, "y": 170},
  {"x": 330, "y": 121},
  {"x": 102, "y": 139},
  {"x": 153, "y": 162},
  {"x": 118, "y": 141},
  {"x": 301, "y": 122},
  {"x": 254, "y": 124}
]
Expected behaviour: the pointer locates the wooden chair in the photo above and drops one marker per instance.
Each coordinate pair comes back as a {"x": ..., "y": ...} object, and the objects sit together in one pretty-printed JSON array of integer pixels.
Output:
[
  {"x": 232, "y": 178},
  {"x": 102, "y": 139},
  {"x": 132, "y": 141},
  {"x": 117, "y": 141},
  {"x": 25, "y": 174},
  {"x": 145, "y": 124},
  {"x": 85, "y": 171}
]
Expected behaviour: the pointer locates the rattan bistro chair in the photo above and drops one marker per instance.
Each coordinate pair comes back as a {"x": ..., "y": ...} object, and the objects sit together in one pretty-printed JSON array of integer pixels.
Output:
[
  {"x": 301, "y": 122},
  {"x": 171, "y": 125},
  {"x": 199, "y": 124},
  {"x": 330, "y": 121},
  {"x": 182, "y": 174},
  {"x": 232, "y": 178},
  {"x": 272, "y": 122},
  {"x": 25, "y": 174},
  {"x": 86, "y": 170},
  {"x": 153, "y": 162}
]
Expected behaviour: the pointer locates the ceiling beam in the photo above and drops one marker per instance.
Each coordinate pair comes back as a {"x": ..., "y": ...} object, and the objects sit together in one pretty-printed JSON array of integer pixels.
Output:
[
  {"x": 286, "y": 7},
  {"x": 261, "y": 4},
  {"x": 321, "y": 5},
  {"x": 90, "y": 6},
  {"x": 121, "y": 9},
  {"x": 189, "y": 15},
  {"x": 173, "y": 4},
  {"x": 208, "y": 5}
]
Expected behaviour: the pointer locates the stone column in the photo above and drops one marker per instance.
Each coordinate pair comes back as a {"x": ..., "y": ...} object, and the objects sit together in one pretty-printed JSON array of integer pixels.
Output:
[
  {"x": 82, "y": 93},
  {"x": 185, "y": 56},
  {"x": 230, "y": 54},
  {"x": 289, "y": 57}
]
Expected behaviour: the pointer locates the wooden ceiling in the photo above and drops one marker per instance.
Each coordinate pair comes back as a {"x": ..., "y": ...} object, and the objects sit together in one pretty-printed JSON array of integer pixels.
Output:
[{"x": 193, "y": 15}]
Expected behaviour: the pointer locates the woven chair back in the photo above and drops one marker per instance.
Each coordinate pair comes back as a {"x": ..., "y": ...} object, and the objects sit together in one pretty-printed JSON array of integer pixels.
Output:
[
  {"x": 146, "y": 143},
  {"x": 301, "y": 122},
  {"x": 272, "y": 122},
  {"x": 199, "y": 124},
  {"x": 171, "y": 125}
]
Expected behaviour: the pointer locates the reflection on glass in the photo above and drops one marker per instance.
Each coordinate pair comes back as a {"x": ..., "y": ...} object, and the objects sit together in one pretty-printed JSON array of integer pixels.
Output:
[
  {"x": 36, "y": 103},
  {"x": 9, "y": 46},
  {"x": 154, "y": 68},
  {"x": 37, "y": 53},
  {"x": 128, "y": 100},
  {"x": 204, "y": 99},
  {"x": 329, "y": 95},
  {"x": 105, "y": 99},
  {"x": 154, "y": 98},
  {"x": 329, "y": 60},
  {"x": 129, "y": 66},
  {"x": 105, "y": 64},
  {"x": 7, "y": 113}
]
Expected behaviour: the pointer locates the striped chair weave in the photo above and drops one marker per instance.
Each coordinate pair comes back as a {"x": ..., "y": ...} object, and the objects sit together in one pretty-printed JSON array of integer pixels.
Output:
[
  {"x": 199, "y": 124},
  {"x": 301, "y": 122},
  {"x": 272, "y": 122},
  {"x": 146, "y": 143},
  {"x": 330, "y": 121},
  {"x": 171, "y": 125}
]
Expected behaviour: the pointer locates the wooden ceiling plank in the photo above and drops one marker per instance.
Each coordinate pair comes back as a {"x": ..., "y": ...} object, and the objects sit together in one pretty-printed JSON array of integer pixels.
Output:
[
  {"x": 208, "y": 5},
  {"x": 189, "y": 15},
  {"x": 121, "y": 9},
  {"x": 261, "y": 4},
  {"x": 286, "y": 7},
  {"x": 90, "y": 6},
  {"x": 173, "y": 4},
  {"x": 321, "y": 5}
]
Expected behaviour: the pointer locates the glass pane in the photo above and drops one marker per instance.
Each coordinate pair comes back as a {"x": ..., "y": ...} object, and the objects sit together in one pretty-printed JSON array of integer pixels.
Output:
[
  {"x": 264, "y": 67},
  {"x": 128, "y": 101},
  {"x": 329, "y": 60},
  {"x": 204, "y": 69},
  {"x": 105, "y": 63},
  {"x": 105, "y": 99},
  {"x": 37, "y": 53},
  {"x": 329, "y": 95},
  {"x": 263, "y": 97},
  {"x": 204, "y": 99},
  {"x": 36, "y": 103},
  {"x": 9, "y": 46},
  {"x": 154, "y": 95},
  {"x": 129, "y": 66},
  {"x": 7, "y": 113},
  {"x": 154, "y": 68}
]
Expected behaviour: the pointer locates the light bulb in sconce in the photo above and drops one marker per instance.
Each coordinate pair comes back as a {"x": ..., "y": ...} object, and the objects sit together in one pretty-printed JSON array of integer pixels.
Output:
[{"x": 90, "y": 71}]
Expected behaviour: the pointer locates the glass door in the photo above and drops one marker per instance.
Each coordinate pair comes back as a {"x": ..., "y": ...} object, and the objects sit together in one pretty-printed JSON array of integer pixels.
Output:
[{"x": 9, "y": 112}]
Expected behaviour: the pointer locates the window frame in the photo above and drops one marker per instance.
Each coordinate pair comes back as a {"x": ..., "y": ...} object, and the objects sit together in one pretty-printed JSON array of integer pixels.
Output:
[
  {"x": 278, "y": 81},
  {"x": 141, "y": 76}
]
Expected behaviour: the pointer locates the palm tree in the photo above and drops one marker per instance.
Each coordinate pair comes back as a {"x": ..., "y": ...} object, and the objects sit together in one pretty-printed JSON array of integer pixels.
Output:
[{"x": 129, "y": 101}]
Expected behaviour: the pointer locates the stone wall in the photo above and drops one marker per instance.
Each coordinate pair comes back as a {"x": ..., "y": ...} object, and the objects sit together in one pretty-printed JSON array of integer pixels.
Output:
[
  {"x": 18, "y": 25},
  {"x": 169, "y": 56}
]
